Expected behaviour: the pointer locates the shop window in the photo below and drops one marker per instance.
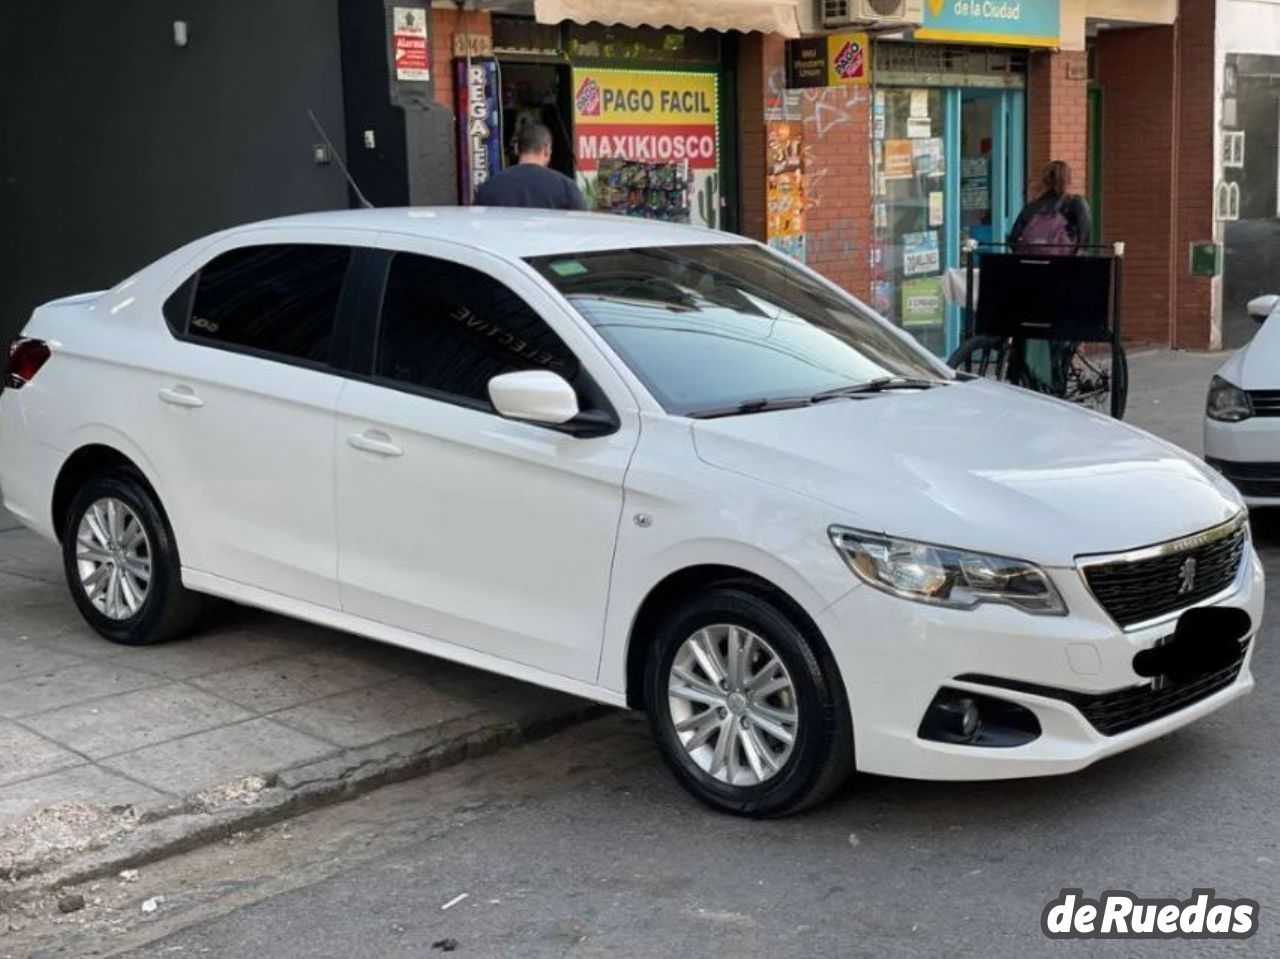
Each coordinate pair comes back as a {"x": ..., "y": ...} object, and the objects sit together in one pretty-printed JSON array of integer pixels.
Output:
[
  {"x": 1247, "y": 198},
  {"x": 910, "y": 209}
]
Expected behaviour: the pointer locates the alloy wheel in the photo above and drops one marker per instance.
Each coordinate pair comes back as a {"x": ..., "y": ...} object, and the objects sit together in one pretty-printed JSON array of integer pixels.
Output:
[
  {"x": 733, "y": 705},
  {"x": 113, "y": 558}
]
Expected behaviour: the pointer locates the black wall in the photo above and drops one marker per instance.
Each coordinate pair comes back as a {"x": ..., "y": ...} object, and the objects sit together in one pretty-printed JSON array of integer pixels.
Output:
[
  {"x": 381, "y": 172},
  {"x": 116, "y": 146}
]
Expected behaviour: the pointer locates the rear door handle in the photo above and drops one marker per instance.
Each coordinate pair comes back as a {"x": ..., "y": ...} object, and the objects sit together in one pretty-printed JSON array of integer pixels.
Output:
[
  {"x": 375, "y": 442},
  {"x": 181, "y": 396}
]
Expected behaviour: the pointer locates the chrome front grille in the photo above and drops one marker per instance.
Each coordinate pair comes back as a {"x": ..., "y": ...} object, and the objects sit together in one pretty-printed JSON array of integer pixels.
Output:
[{"x": 1149, "y": 583}]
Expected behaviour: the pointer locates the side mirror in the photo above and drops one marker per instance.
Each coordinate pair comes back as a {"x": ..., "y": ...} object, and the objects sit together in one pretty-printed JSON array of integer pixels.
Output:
[
  {"x": 536, "y": 396},
  {"x": 1261, "y": 307}
]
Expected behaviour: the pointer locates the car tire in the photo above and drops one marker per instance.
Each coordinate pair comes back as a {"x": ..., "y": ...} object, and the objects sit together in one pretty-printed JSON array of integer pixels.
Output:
[
  {"x": 121, "y": 562},
  {"x": 748, "y": 710}
]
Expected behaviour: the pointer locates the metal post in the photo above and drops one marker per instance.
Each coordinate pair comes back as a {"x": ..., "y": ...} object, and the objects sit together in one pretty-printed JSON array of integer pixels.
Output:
[{"x": 1118, "y": 381}]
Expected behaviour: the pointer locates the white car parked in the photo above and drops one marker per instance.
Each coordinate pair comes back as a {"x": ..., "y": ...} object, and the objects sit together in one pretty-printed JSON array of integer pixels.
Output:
[
  {"x": 651, "y": 465},
  {"x": 1242, "y": 414}
]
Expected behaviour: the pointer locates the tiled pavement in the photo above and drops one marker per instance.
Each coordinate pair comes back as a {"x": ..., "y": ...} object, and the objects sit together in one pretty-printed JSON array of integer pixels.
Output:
[{"x": 250, "y": 694}]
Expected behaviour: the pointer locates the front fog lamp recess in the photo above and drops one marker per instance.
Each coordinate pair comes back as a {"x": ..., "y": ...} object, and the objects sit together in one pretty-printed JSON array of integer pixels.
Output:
[
  {"x": 944, "y": 576},
  {"x": 964, "y": 718}
]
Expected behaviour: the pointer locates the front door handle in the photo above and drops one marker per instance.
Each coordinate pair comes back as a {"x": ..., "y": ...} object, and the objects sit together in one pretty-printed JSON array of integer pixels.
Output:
[
  {"x": 374, "y": 441},
  {"x": 181, "y": 396}
]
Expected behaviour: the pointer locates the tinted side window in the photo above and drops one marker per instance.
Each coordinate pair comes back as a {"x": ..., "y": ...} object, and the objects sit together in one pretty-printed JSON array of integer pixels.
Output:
[
  {"x": 449, "y": 328},
  {"x": 279, "y": 299}
]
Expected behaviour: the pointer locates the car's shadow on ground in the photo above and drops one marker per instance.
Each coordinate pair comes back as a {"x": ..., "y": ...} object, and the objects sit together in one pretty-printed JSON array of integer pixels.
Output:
[{"x": 1048, "y": 816}]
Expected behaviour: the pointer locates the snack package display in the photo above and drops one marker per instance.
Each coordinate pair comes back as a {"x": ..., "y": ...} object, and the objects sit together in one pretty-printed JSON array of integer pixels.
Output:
[{"x": 658, "y": 191}]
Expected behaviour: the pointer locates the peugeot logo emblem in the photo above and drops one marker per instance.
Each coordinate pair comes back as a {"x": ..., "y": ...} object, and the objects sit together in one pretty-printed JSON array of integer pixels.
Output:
[{"x": 1187, "y": 575}]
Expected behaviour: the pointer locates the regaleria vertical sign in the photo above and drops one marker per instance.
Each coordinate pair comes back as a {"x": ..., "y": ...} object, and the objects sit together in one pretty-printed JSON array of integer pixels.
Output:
[
  {"x": 479, "y": 121},
  {"x": 650, "y": 117}
]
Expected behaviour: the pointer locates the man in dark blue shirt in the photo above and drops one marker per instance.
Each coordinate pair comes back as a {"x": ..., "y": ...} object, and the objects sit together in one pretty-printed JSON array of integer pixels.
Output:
[{"x": 531, "y": 183}]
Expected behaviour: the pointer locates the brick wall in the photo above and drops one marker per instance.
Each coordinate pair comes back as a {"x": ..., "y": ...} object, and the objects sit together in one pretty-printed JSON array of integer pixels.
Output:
[
  {"x": 1158, "y": 163},
  {"x": 444, "y": 24},
  {"x": 1137, "y": 74},
  {"x": 1193, "y": 326},
  {"x": 1057, "y": 115},
  {"x": 759, "y": 58},
  {"x": 838, "y": 219},
  {"x": 837, "y": 161}
]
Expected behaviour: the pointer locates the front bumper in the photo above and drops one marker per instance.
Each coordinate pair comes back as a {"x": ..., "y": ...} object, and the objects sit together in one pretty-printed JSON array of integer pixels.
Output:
[
  {"x": 895, "y": 655},
  {"x": 1248, "y": 455}
]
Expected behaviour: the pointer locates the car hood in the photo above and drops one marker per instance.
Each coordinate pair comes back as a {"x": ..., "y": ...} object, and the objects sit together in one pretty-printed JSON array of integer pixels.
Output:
[
  {"x": 980, "y": 466},
  {"x": 1257, "y": 366}
]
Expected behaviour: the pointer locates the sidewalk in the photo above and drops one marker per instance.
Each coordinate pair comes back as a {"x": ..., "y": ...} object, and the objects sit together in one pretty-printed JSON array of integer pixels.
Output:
[
  {"x": 111, "y": 755},
  {"x": 1167, "y": 392}
]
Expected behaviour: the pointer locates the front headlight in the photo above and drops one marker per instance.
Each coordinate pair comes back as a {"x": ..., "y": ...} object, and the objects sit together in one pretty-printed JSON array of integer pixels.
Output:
[
  {"x": 1227, "y": 403},
  {"x": 944, "y": 576}
]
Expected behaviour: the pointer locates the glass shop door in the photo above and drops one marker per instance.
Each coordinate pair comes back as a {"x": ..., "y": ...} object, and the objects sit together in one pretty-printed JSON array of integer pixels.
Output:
[{"x": 949, "y": 166}]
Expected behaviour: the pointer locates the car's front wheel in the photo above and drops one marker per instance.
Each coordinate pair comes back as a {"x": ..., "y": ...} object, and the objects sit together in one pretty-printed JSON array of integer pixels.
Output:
[
  {"x": 745, "y": 706},
  {"x": 121, "y": 562}
]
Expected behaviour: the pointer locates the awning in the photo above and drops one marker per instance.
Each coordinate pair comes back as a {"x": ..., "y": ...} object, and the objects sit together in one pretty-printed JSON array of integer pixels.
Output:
[{"x": 765, "y": 16}]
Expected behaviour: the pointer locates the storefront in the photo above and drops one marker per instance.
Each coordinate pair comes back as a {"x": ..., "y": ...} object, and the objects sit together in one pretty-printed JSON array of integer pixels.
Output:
[
  {"x": 1247, "y": 179},
  {"x": 949, "y": 159},
  {"x": 643, "y": 118},
  {"x": 1248, "y": 191},
  {"x": 948, "y": 119},
  {"x": 942, "y": 112}
]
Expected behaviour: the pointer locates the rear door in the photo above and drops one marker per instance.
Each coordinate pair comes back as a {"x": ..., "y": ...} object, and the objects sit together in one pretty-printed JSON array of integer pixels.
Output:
[
  {"x": 454, "y": 522},
  {"x": 240, "y": 418}
]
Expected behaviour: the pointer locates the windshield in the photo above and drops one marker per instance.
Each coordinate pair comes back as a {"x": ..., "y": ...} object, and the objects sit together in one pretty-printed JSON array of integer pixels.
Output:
[{"x": 715, "y": 327}]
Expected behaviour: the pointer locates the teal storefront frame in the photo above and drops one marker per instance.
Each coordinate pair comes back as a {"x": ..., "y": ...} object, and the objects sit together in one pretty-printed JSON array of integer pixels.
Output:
[
  {"x": 982, "y": 125},
  {"x": 1007, "y": 191}
]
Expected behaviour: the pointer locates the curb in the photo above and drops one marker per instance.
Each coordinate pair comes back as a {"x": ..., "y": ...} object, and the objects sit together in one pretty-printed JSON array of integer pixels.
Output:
[{"x": 164, "y": 830}]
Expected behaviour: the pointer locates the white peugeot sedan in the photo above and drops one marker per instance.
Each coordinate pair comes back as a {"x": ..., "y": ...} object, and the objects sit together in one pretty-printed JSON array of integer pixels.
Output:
[
  {"x": 1242, "y": 414},
  {"x": 651, "y": 465}
]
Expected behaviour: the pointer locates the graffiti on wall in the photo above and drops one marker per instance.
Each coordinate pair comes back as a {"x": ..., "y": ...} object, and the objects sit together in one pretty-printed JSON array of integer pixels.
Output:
[{"x": 822, "y": 111}]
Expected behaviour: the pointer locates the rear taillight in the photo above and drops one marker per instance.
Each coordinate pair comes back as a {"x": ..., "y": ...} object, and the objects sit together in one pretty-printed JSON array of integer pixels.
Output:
[{"x": 26, "y": 356}]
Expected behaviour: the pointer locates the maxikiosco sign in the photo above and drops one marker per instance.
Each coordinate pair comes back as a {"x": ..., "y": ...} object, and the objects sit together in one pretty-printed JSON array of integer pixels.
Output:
[{"x": 1017, "y": 23}]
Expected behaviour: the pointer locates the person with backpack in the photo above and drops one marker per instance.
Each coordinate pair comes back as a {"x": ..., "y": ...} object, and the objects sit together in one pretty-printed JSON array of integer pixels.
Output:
[{"x": 1057, "y": 222}]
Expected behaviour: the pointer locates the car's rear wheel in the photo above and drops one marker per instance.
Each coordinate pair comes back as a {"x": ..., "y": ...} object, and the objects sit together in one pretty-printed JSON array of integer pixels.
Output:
[
  {"x": 121, "y": 562},
  {"x": 747, "y": 709}
]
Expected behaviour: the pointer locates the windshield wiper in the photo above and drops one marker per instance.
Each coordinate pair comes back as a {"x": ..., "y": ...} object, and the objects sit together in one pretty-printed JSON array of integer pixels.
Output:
[
  {"x": 764, "y": 404},
  {"x": 760, "y": 405},
  {"x": 880, "y": 384}
]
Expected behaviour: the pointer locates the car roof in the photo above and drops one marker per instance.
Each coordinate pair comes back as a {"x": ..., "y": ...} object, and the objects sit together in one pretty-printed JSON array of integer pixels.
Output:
[{"x": 511, "y": 232}]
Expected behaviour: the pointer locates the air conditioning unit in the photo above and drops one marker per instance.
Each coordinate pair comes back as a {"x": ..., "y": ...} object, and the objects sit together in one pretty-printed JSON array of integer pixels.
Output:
[{"x": 873, "y": 13}]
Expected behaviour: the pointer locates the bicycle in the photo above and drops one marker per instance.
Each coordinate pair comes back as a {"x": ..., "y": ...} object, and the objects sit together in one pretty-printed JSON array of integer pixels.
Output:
[
  {"x": 1097, "y": 379},
  {"x": 1049, "y": 324}
]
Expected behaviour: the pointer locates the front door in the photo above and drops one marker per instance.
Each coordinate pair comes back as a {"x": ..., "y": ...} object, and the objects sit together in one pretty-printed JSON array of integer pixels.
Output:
[
  {"x": 989, "y": 181},
  {"x": 454, "y": 522}
]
